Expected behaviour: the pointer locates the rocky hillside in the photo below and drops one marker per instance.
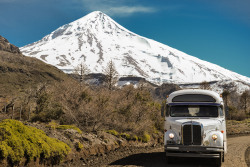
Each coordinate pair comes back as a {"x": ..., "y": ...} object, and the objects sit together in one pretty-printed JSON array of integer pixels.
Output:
[
  {"x": 18, "y": 72},
  {"x": 8, "y": 47}
]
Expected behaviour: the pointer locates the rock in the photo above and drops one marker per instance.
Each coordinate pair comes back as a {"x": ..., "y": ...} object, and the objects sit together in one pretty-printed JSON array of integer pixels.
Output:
[
  {"x": 108, "y": 148},
  {"x": 101, "y": 149},
  {"x": 92, "y": 151},
  {"x": 6, "y": 46},
  {"x": 122, "y": 143}
]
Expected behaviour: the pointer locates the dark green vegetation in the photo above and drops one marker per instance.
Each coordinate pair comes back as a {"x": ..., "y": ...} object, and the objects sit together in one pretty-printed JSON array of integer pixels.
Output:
[
  {"x": 53, "y": 125},
  {"x": 20, "y": 143}
]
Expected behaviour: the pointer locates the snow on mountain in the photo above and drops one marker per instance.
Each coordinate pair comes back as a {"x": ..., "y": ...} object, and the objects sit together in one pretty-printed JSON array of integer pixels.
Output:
[{"x": 96, "y": 39}]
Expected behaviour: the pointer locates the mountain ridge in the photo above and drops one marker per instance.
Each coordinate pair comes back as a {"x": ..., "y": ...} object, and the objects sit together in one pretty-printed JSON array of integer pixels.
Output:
[{"x": 96, "y": 39}]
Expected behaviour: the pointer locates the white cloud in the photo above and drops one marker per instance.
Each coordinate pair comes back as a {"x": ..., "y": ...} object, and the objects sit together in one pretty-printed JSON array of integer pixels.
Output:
[
  {"x": 128, "y": 10},
  {"x": 115, "y": 7}
]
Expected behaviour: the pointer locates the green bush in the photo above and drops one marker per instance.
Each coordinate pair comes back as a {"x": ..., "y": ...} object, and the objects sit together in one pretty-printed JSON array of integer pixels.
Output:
[
  {"x": 64, "y": 127},
  {"x": 113, "y": 132},
  {"x": 134, "y": 138},
  {"x": 18, "y": 141},
  {"x": 52, "y": 125},
  {"x": 125, "y": 136},
  {"x": 146, "y": 137},
  {"x": 78, "y": 146},
  {"x": 47, "y": 109}
]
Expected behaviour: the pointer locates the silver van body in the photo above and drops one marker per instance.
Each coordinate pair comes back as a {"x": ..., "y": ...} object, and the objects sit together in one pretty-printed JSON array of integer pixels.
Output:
[{"x": 195, "y": 125}]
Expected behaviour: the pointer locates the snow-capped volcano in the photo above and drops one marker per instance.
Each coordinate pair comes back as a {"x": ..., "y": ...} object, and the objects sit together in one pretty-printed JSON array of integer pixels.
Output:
[{"x": 96, "y": 39}]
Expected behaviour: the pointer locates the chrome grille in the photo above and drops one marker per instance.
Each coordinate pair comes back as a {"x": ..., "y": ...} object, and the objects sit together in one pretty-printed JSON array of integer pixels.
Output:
[
  {"x": 196, "y": 135},
  {"x": 187, "y": 135},
  {"x": 191, "y": 134}
]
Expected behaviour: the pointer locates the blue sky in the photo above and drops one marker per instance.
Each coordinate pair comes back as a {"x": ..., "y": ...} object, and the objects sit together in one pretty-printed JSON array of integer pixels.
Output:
[{"x": 215, "y": 31}]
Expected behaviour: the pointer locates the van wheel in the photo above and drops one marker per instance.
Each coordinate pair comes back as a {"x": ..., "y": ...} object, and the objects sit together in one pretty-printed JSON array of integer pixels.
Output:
[
  {"x": 169, "y": 160},
  {"x": 219, "y": 160}
]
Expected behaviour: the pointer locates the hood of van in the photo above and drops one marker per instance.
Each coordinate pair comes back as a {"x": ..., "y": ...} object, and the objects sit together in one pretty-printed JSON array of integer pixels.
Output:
[
  {"x": 208, "y": 123},
  {"x": 204, "y": 122}
]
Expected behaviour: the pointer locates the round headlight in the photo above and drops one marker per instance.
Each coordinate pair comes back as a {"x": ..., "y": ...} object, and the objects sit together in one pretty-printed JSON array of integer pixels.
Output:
[
  {"x": 171, "y": 135},
  {"x": 214, "y": 137}
]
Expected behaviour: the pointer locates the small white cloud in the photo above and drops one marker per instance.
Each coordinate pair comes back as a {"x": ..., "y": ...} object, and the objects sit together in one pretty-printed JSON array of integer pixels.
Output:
[
  {"x": 115, "y": 8},
  {"x": 128, "y": 10}
]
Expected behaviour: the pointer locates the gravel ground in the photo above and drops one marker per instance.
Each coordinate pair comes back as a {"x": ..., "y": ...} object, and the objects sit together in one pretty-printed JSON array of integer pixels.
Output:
[
  {"x": 238, "y": 151},
  {"x": 238, "y": 156}
]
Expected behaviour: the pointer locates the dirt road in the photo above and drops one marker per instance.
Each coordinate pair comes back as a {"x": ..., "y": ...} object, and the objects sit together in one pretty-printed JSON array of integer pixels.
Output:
[{"x": 155, "y": 157}]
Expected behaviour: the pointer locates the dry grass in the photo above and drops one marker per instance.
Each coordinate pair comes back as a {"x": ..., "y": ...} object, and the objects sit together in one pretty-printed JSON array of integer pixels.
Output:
[
  {"x": 18, "y": 73},
  {"x": 238, "y": 127}
]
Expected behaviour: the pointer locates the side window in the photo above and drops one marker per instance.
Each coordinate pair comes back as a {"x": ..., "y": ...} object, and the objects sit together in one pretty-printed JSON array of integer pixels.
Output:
[{"x": 221, "y": 111}]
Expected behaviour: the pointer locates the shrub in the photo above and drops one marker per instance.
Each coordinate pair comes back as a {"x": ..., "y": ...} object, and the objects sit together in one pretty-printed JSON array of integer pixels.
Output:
[
  {"x": 19, "y": 141},
  {"x": 140, "y": 139},
  {"x": 64, "y": 127},
  {"x": 125, "y": 136},
  {"x": 146, "y": 137},
  {"x": 113, "y": 132},
  {"x": 53, "y": 125},
  {"x": 47, "y": 109},
  {"x": 78, "y": 146},
  {"x": 134, "y": 138},
  {"x": 238, "y": 116},
  {"x": 85, "y": 96}
]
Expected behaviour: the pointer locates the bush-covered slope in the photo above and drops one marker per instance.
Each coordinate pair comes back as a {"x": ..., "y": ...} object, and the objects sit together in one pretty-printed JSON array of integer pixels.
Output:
[{"x": 20, "y": 143}]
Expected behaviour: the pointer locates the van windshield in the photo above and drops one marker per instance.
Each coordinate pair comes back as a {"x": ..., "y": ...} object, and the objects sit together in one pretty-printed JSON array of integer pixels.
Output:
[{"x": 193, "y": 111}]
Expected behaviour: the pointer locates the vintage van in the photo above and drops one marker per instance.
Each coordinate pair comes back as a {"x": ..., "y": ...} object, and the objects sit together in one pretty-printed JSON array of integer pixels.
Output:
[{"x": 195, "y": 125}]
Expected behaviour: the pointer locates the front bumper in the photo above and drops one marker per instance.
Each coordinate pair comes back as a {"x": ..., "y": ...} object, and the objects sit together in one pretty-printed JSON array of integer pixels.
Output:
[{"x": 193, "y": 151}]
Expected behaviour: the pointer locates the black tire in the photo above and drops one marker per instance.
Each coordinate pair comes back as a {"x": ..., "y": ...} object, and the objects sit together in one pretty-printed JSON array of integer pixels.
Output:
[
  {"x": 219, "y": 160},
  {"x": 169, "y": 160}
]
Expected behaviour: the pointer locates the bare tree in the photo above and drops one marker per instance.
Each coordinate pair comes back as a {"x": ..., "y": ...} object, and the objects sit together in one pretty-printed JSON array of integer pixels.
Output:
[
  {"x": 205, "y": 85},
  {"x": 225, "y": 95},
  {"x": 81, "y": 70},
  {"x": 111, "y": 75},
  {"x": 244, "y": 99}
]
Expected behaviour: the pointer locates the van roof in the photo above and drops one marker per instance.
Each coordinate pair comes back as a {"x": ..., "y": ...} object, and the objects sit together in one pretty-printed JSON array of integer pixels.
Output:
[{"x": 214, "y": 95}]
